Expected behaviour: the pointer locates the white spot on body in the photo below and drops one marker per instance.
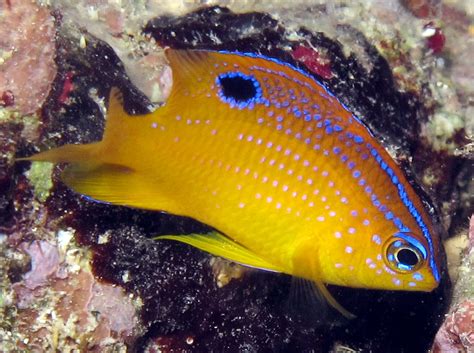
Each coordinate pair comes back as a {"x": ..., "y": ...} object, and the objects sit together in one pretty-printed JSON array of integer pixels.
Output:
[{"x": 349, "y": 250}]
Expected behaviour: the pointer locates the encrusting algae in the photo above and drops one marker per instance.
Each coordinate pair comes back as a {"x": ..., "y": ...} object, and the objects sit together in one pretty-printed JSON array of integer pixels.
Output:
[{"x": 290, "y": 179}]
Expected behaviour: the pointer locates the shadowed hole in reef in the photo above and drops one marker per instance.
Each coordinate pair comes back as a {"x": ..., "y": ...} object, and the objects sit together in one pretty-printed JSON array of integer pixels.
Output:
[{"x": 174, "y": 281}]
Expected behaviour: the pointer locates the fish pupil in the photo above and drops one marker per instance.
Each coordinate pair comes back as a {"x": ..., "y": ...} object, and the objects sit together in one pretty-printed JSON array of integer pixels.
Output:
[
  {"x": 239, "y": 88},
  {"x": 407, "y": 257}
]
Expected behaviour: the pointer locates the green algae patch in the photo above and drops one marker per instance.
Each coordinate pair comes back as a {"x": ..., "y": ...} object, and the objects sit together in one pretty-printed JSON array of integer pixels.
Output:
[{"x": 40, "y": 178}]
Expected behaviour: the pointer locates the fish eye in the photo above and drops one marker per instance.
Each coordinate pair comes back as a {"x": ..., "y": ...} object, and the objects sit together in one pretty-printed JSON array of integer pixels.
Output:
[
  {"x": 404, "y": 253},
  {"x": 238, "y": 89}
]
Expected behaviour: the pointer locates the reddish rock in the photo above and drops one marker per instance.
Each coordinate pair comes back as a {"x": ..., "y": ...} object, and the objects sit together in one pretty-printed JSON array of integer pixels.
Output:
[{"x": 27, "y": 48}]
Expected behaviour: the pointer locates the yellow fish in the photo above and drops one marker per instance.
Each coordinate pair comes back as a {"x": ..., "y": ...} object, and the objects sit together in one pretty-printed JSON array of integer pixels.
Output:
[{"x": 291, "y": 180}]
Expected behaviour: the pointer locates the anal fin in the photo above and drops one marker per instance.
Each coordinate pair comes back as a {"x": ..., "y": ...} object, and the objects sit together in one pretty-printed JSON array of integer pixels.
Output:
[{"x": 220, "y": 245}]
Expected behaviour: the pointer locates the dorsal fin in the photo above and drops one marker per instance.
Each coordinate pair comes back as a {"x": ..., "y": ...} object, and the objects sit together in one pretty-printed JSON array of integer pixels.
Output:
[{"x": 115, "y": 117}]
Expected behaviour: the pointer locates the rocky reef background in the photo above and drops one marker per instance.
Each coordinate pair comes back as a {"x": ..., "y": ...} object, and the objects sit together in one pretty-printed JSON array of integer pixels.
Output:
[{"x": 75, "y": 274}]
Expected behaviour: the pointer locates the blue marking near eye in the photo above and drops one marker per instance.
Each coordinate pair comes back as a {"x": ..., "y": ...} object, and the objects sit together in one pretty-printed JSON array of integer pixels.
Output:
[
  {"x": 417, "y": 276},
  {"x": 358, "y": 139},
  {"x": 329, "y": 130},
  {"x": 403, "y": 267},
  {"x": 356, "y": 174},
  {"x": 413, "y": 241},
  {"x": 338, "y": 128},
  {"x": 389, "y": 215},
  {"x": 307, "y": 118},
  {"x": 361, "y": 182},
  {"x": 336, "y": 150},
  {"x": 317, "y": 116},
  {"x": 351, "y": 165}
]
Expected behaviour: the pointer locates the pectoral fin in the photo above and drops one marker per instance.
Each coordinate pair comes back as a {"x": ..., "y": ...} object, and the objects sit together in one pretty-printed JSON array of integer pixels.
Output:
[
  {"x": 219, "y": 245},
  {"x": 312, "y": 298}
]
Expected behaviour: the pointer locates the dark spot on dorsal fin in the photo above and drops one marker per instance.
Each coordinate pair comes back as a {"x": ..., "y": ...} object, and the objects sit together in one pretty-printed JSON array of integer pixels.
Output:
[{"x": 237, "y": 87}]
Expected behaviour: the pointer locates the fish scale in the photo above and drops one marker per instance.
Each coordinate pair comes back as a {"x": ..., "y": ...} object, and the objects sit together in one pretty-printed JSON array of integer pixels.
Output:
[{"x": 267, "y": 156}]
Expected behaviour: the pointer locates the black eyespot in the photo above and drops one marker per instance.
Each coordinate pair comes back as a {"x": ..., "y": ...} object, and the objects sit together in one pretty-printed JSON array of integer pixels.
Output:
[
  {"x": 407, "y": 257},
  {"x": 239, "y": 88}
]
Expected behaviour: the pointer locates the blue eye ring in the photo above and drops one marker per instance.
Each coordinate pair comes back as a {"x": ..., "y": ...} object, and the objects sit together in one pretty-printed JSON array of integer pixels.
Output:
[
  {"x": 244, "y": 102},
  {"x": 404, "y": 253}
]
